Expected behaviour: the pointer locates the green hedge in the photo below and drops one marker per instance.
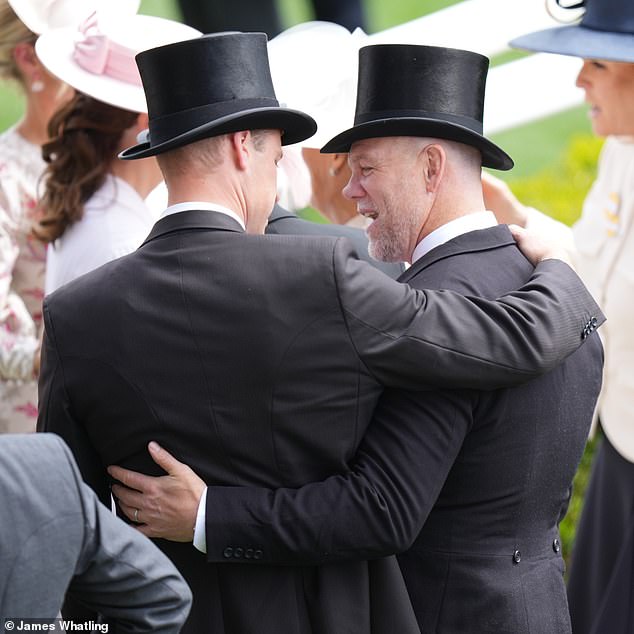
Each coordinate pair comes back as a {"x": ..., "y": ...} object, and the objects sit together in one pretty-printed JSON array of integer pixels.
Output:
[{"x": 560, "y": 189}]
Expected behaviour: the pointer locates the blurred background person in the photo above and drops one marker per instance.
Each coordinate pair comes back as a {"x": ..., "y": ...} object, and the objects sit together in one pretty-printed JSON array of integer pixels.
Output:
[
  {"x": 314, "y": 69},
  {"x": 94, "y": 204},
  {"x": 600, "y": 587},
  {"x": 22, "y": 255},
  {"x": 263, "y": 15}
]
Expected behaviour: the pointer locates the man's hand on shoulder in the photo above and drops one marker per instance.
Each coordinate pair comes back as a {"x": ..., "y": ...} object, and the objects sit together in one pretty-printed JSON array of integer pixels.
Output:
[
  {"x": 537, "y": 247},
  {"x": 164, "y": 506}
]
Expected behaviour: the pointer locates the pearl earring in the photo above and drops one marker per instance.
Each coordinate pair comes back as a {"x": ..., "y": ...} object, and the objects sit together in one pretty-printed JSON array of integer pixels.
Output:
[
  {"x": 37, "y": 85},
  {"x": 332, "y": 171}
]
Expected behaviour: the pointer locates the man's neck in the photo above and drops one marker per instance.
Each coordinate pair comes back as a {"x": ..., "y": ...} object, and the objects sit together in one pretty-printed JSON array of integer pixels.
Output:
[
  {"x": 221, "y": 196},
  {"x": 457, "y": 225}
]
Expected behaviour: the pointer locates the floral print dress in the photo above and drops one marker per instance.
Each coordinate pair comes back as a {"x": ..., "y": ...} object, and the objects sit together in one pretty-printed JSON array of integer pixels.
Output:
[{"x": 22, "y": 267}]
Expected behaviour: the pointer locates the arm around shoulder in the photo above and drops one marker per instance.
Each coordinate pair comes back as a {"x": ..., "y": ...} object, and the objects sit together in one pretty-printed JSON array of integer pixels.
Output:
[{"x": 410, "y": 338}]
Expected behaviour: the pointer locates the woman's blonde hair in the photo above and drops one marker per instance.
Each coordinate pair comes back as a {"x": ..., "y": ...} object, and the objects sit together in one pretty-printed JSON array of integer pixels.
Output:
[
  {"x": 12, "y": 32},
  {"x": 84, "y": 137}
]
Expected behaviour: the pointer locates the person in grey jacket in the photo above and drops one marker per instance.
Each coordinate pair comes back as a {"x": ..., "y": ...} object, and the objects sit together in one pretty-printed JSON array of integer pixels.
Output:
[{"x": 56, "y": 537}]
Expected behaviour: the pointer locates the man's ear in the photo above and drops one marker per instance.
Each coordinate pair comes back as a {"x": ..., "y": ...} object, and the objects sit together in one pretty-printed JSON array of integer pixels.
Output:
[
  {"x": 434, "y": 161},
  {"x": 338, "y": 162},
  {"x": 143, "y": 121},
  {"x": 241, "y": 150}
]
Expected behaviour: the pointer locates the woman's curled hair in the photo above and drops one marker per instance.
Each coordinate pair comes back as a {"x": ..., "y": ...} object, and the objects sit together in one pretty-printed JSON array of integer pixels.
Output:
[{"x": 84, "y": 137}]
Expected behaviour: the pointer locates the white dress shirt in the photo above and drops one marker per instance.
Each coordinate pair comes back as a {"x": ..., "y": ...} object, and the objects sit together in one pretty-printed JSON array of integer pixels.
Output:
[
  {"x": 116, "y": 220},
  {"x": 178, "y": 207},
  {"x": 453, "y": 229}
]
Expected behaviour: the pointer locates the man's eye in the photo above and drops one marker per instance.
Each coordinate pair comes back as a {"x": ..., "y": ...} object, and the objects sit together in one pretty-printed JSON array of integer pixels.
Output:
[{"x": 366, "y": 170}]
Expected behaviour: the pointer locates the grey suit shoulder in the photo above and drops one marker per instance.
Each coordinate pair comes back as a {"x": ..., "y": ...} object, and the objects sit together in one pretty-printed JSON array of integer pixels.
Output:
[{"x": 57, "y": 536}]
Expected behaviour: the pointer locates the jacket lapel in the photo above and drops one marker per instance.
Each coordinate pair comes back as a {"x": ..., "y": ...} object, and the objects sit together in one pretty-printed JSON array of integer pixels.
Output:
[{"x": 471, "y": 242}]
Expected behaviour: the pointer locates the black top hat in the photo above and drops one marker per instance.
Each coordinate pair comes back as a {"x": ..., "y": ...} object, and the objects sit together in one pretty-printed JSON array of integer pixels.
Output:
[
  {"x": 606, "y": 31},
  {"x": 209, "y": 86},
  {"x": 408, "y": 90}
]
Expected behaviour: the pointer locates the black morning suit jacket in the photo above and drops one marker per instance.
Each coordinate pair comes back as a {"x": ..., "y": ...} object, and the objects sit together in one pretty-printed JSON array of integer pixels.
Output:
[
  {"x": 488, "y": 473},
  {"x": 258, "y": 360}
]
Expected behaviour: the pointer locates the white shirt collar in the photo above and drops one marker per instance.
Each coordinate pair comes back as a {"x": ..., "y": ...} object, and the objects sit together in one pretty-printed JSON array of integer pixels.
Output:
[
  {"x": 453, "y": 229},
  {"x": 205, "y": 206}
]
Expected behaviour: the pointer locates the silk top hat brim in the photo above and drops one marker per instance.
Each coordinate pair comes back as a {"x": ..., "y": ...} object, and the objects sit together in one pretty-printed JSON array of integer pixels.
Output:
[
  {"x": 492, "y": 155},
  {"x": 216, "y": 84},
  {"x": 606, "y": 32},
  {"x": 425, "y": 91},
  {"x": 294, "y": 125}
]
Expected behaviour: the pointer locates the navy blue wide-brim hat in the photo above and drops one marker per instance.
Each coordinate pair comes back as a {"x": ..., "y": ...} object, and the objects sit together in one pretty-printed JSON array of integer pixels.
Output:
[
  {"x": 605, "y": 32},
  {"x": 208, "y": 86},
  {"x": 427, "y": 91}
]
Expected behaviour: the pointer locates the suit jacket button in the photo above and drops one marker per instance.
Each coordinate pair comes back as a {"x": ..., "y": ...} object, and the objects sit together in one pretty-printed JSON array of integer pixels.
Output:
[
  {"x": 556, "y": 545},
  {"x": 257, "y": 554},
  {"x": 517, "y": 557},
  {"x": 248, "y": 554},
  {"x": 237, "y": 553},
  {"x": 228, "y": 552}
]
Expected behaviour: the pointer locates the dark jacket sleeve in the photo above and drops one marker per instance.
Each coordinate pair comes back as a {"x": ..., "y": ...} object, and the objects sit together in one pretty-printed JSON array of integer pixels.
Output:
[
  {"x": 376, "y": 509},
  {"x": 56, "y": 413},
  {"x": 408, "y": 338}
]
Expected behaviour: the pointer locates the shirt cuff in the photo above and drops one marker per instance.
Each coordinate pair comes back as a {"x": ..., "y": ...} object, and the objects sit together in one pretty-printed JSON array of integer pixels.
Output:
[{"x": 200, "y": 535}]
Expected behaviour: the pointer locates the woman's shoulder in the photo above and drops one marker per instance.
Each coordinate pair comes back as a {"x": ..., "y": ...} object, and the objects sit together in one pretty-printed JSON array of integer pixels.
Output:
[{"x": 19, "y": 158}]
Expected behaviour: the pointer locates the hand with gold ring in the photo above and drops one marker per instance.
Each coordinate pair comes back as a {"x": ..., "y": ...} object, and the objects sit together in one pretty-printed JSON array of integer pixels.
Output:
[{"x": 170, "y": 502}]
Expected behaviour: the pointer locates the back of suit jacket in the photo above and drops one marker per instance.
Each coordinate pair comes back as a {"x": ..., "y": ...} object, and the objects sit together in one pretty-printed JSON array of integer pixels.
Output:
[
  {"x": 471, "y": 484},
  {"x": 202, "y": 341}
]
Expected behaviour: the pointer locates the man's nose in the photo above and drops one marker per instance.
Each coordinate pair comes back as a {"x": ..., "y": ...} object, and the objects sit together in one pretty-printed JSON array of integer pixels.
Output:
[{"x": 352, "y": 190}]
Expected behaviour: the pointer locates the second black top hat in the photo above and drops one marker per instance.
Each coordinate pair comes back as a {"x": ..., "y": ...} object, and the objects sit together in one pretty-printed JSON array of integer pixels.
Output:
[
  {"x": 409, "y": 90},
  {"x": 208, "y": 86}
]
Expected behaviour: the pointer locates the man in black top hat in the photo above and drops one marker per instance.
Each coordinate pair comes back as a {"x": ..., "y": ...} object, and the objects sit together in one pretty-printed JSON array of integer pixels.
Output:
[
  {"x": 259, "y": 359},
  {"x": 470, "y": 484}
]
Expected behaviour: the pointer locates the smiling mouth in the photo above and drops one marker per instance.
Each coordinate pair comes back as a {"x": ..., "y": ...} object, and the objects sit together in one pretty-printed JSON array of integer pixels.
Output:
[{"x": 368, "y": 213}]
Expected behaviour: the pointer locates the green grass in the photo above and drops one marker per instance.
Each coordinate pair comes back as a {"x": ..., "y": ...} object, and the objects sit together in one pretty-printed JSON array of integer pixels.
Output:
[
  {"x": 162, "y": 8},
  {"x": 541, "y": 143},
  {"x": 506, "y": 57},
  {"x": 568, "y": 525},
  {"x": 11, "y": 105}
]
